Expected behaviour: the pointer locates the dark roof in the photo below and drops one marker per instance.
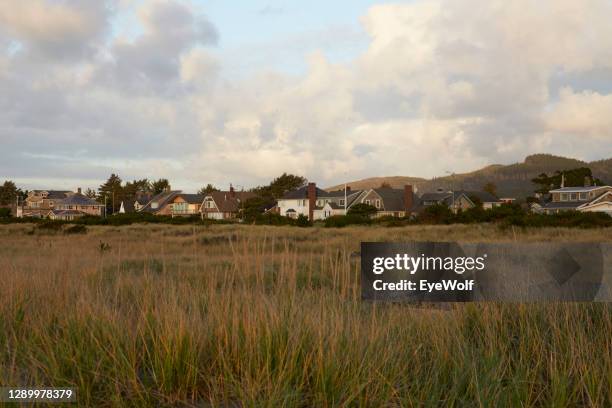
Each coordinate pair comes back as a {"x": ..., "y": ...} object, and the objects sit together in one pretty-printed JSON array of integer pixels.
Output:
[
  {"x": 576, "y": 189},
  {"x": 483, "y": 196},
  {"x": 438, "y": 197},
  {"x": 192, "y": 198},
  {"x": 393, "y": 199},
  {"x": 78, "y": 199},
  {"x": 302, "y": 192},
  {"x": 227, "y": 201},
  {"x": 562, "y": 204},
  {"x": 55, "y": 194},
  {"x": 161, "y": 199}
]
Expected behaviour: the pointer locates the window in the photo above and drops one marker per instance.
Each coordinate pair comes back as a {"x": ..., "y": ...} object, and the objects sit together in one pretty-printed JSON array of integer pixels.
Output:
[
  {"x": 563, "y": 196},
  {"x": 377, "y": 203},
  {"x": 341, "y": 202},
  {"x": 584, "y": 196},
  {"x": 573, "y": 197},
  {"x": 367, "y": 202}
]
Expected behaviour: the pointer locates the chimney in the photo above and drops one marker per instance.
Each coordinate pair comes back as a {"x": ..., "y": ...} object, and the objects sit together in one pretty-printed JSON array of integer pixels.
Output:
[
  {"x": 408, "y": 199},
  {"x": 348, "y": 189},
  {"x": 312, "y": 198},
  {"x": 587, "y": 181},
  {"x": 232, "y": 192},
  {"x": 79, "y": 190}
]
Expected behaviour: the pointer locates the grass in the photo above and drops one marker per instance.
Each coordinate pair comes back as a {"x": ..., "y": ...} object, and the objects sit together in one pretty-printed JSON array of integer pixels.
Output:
[{"x": 160, "y": 315}]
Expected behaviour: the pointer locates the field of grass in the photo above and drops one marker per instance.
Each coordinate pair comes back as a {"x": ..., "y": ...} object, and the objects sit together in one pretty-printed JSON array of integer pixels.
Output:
[{"x": 160, "y": 315}]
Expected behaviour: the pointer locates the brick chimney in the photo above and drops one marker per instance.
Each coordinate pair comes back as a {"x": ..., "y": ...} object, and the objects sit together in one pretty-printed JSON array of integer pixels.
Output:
[
  {"x": 232, "y": 192},
  {"x": 79, "y": 190},
  {"x": 312, "y": 198},
  {"x": 408, "y": 199},
  {"x": 348, "y": 189}
]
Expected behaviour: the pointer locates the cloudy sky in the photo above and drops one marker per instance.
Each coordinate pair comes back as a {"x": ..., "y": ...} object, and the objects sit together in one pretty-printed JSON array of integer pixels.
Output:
[{"x": 217, "y": 91}]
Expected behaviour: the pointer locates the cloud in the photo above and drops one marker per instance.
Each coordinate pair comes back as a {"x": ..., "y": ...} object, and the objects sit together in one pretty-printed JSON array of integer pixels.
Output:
[
  {"x": 439, "y": 87},
  {"x": 52, "y": 30}
]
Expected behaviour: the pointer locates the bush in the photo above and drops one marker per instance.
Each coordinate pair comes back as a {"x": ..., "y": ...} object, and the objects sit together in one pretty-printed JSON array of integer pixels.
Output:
[
  {"x": 303, "y": 221},
  {"x": 5, "y": 212},
  {"x": 363, "y": 210}
]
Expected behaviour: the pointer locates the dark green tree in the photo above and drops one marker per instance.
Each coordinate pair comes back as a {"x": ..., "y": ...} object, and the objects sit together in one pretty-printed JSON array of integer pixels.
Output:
[
  {"x": 571, "y": 178},
  {"x": 159, "y": 186},
  {"x": 208, "y": 189},
  {"x": 8, "y": 193},
  {"x": 363, "y": 210},
  {"x": 112, "y": 193},
  {"x": 490, "y": 188}
]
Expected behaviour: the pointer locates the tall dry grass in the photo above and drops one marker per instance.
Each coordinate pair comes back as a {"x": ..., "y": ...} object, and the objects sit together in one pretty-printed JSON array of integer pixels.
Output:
[{"x": 258, "y": 316}]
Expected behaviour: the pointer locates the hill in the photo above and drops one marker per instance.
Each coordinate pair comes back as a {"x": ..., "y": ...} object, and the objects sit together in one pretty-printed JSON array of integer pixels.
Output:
[{"x": 512, "y": 180}]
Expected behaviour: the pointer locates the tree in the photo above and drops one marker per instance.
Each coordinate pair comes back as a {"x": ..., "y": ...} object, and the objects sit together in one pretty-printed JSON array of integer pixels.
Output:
[
  {"x": 363, "y": 210},
  {"x": 160, "y": 186},
  {"x": 267, "y": 195},
  {"x": 385, "y": 184},
  {"x": 208, "y": 189},
  {"x": 8, "y": 193},
  {"x": 571, "y": 178},
  {"x": 111, "y": 192},
  {"x": 90, "y": 193},
  {"x": 490, "y": 188}
]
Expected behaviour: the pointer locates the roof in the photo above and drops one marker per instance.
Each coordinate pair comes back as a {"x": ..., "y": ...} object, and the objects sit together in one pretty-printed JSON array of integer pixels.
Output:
[
  {"x": 577, "y": 189},
  {"x": 192, "y": 198},
  {"x": 436, "y": 196},
  {"x": 302, "y": 192},
  {"x": 483, "y": 196},
  {"x": 393, "y": 199},
  {"x": 228, "y": 201},
  {"x": 562, "y": 204},
  {"x": 79, "y": 199},
  {"x": 55, "y": 194},
  {"x": 161, "y": 199}
]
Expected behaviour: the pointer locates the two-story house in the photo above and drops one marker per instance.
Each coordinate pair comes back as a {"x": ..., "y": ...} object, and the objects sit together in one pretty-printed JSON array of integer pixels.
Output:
[
  {"x": 60, "y": 205},
  {"x": 224, "y": 205},
  {"x": 584, "y": 199},
  {"x": 314, "y": 203}
]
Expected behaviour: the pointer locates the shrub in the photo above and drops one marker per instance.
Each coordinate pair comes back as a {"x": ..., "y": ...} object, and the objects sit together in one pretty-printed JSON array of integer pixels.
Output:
[
  {"x": 5, "y": 212},
  {"x": 363, "y": 210},
  {"x": 303, "y": 221}
]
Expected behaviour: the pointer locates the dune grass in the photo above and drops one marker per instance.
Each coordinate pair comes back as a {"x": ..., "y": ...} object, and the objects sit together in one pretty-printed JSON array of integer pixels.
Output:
[{"x": 157, "y": 315}]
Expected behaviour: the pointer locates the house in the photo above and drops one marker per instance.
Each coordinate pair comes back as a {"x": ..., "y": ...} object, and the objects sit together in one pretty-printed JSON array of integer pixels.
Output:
[
  {"x": 60, "y": 205},
  {"x": 223, "y": 205},
  {"x": 583, "y": 199},
  {"x": 461, "y": 200},
  {"x": 40, "y": 203},
  {"x": 319, "y": 204},
  {"x": 390, "y": 202},
  {"x": 185, "y": 205},
  {"x": 159, "y": 204},
  {"x": 314, "y": 203}
]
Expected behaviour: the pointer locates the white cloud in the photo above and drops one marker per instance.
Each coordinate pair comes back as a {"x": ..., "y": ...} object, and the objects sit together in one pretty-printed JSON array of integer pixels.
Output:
[{"x": 443, "y": 85}]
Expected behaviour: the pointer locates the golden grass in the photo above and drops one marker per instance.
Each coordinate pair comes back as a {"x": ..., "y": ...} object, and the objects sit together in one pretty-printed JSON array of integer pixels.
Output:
[{"x": 271, "y": 316}]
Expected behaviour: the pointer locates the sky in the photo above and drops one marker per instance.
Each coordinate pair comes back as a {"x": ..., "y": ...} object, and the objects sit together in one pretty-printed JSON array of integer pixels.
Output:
[{"x": 212, "y": 91}]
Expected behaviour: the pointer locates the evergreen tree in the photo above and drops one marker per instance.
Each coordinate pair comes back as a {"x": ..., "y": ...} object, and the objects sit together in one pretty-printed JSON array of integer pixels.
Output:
[
  {"x": 208, "y": 189},
  {"x": 8, "y": 193},
  {"x": 111, "y": 192},
  {"x": 160, "y": 186}
]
